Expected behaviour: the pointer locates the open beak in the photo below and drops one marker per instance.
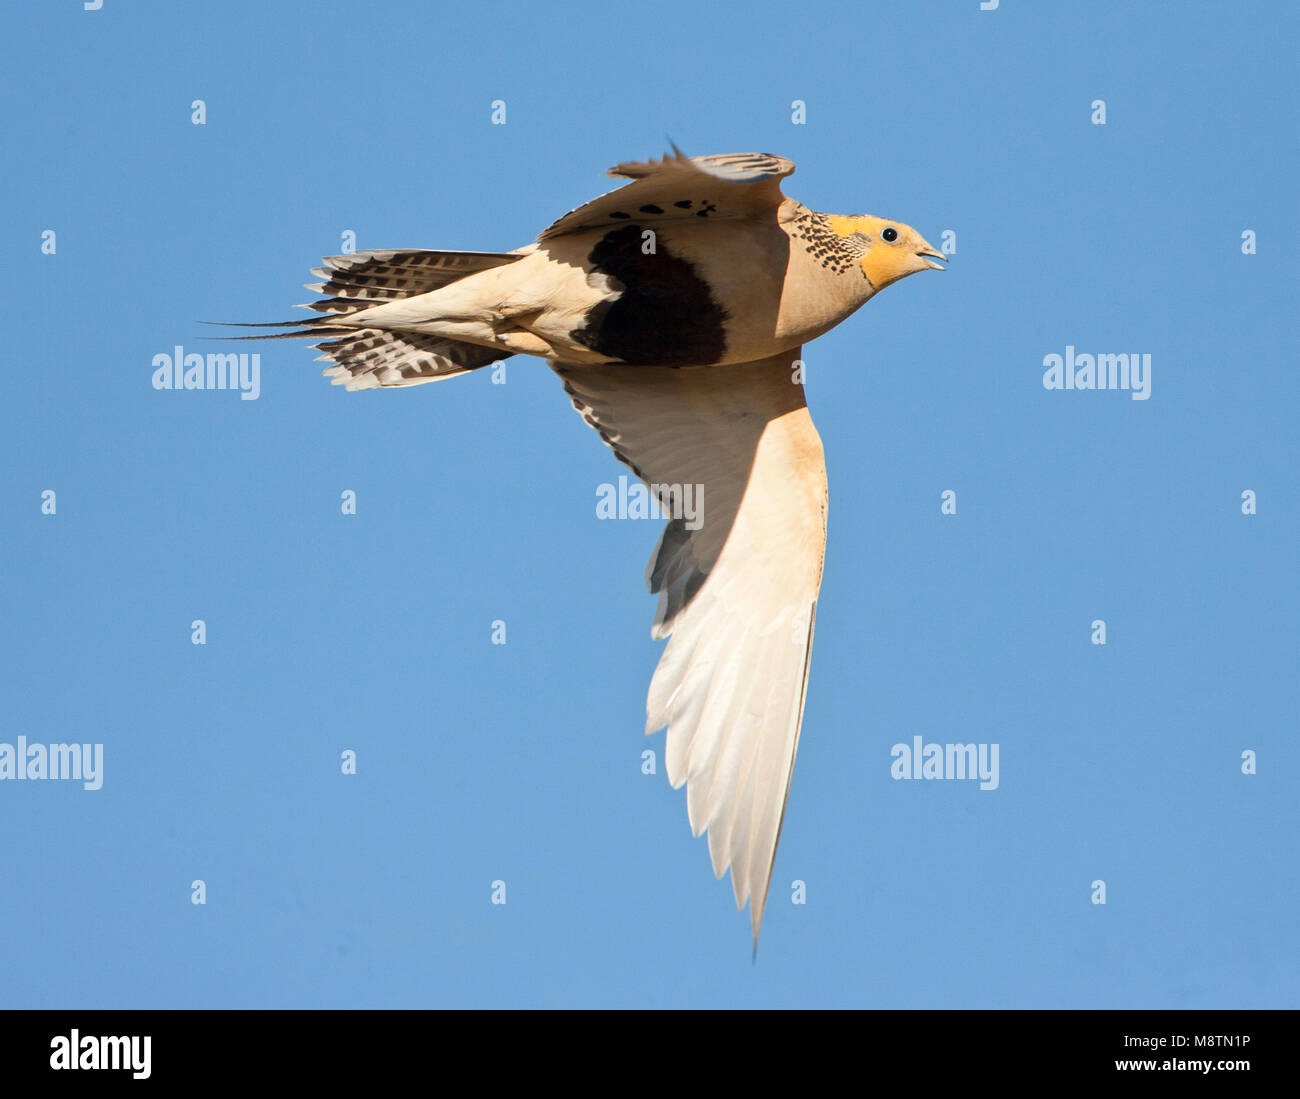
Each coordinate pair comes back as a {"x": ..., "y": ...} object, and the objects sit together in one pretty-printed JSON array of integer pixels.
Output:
[{"x": 931, "y": 255}]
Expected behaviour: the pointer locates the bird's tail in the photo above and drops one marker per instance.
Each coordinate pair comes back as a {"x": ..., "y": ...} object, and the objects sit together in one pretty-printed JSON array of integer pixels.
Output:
[{"x": 366, "y": 358}]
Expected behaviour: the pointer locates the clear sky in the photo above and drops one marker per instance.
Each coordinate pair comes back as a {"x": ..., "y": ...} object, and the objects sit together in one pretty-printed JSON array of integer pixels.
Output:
[{"x": 521, "y": 762}]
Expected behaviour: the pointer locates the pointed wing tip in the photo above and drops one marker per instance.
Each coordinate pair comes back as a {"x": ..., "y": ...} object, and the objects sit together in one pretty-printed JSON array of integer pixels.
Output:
[{"x": 635, "y": 169}]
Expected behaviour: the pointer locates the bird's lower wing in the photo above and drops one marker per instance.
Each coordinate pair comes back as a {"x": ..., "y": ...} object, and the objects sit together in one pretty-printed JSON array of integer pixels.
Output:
[{"x": 737, "y": 583}]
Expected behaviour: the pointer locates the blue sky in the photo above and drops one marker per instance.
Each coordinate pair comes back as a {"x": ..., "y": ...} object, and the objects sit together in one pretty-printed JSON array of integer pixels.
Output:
[{"x": 476, "y": 502}]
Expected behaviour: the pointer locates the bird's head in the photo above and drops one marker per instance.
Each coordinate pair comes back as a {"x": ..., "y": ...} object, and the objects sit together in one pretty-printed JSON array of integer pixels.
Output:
[{"x": 891, "y": 250}]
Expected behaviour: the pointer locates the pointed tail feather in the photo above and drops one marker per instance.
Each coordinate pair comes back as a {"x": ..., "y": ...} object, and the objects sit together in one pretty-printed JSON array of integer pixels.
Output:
[
  {"x": 368, "y": 358},
  {"x": 315, "y": 327}
]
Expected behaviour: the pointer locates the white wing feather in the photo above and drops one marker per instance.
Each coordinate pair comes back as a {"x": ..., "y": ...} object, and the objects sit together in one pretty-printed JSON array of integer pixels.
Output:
[{"x": 737, "y": 596}]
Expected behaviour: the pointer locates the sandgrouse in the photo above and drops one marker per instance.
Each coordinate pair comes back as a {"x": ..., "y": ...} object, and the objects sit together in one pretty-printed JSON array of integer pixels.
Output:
[{"x": 673, "y": 309}]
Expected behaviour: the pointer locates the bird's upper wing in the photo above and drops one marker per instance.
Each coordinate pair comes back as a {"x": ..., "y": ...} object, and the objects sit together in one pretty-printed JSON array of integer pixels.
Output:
[
  {"x": 732, "y": 185},
  {"x": 737, "y": 595}
]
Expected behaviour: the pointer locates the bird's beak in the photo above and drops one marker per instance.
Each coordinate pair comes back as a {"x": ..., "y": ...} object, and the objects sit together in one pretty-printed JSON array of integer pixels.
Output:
[{"x": 930, "y": 255}]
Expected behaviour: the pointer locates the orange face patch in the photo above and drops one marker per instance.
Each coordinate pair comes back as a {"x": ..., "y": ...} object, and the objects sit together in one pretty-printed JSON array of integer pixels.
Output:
[{"x": 882, "y": 262}]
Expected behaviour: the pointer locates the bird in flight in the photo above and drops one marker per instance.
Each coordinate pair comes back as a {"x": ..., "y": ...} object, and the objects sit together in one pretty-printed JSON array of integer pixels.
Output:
[{"x": 674, "y": 310}]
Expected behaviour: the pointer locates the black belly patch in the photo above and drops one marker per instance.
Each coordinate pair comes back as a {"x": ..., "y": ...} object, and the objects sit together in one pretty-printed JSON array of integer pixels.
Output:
[{"x": 665, "y": 315}]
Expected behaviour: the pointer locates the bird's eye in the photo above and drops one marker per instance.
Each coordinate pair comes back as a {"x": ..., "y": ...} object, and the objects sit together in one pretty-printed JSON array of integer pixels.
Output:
[{"x": 889, "y": 235}]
